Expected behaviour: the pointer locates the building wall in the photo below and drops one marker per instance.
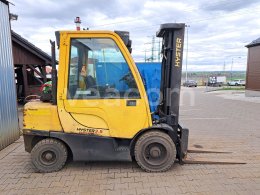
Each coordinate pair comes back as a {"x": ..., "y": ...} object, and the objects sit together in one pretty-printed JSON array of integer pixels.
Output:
[
  {"x": 23, "y": 56},
  {"x": 9, "y": 130},
  {"x": 253, "y": 69}
]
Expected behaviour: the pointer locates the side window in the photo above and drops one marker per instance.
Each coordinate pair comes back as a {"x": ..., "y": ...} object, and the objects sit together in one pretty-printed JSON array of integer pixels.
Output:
[{"x": 98, "y": 70}]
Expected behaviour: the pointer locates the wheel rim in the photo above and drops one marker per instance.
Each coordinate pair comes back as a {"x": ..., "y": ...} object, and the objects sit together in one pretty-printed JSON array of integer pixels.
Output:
[
  {"x": 155, "y": 154},
  {"x": 48, "y": 157}
]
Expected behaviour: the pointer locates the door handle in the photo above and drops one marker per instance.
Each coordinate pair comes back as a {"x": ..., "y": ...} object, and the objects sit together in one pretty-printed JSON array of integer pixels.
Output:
[{"x": 130, "y": 102}]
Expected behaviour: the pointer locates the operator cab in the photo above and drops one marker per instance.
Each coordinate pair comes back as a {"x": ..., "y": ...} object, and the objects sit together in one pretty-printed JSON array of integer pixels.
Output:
[{"x": 101, "y": 90}]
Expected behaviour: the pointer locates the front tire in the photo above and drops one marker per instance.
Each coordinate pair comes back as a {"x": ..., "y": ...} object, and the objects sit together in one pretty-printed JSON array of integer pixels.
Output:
[
  {"x": 155, "y": 151},
  {"x": 49, "y": 155}
]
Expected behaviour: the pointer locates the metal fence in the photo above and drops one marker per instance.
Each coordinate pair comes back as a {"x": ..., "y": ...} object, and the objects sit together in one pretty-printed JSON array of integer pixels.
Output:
[{"x": 9, "y": 130}]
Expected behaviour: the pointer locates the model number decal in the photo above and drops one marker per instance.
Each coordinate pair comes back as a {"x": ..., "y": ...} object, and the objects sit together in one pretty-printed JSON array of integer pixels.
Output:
[{"x": 89, "y": 131}]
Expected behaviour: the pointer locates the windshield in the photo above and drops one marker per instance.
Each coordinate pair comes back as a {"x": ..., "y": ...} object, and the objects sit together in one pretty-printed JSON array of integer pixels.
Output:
[{"x": 99, "y": 70}]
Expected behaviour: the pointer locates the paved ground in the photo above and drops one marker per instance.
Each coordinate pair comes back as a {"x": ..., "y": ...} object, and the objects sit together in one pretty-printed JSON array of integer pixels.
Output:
[
  {"x": 214, "y": 123},
  {"x": 237, "y": 95}
]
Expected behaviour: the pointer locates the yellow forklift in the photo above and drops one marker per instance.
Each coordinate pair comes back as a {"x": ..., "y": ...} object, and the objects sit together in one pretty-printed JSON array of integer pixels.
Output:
[{"x": 98, "y": 109}]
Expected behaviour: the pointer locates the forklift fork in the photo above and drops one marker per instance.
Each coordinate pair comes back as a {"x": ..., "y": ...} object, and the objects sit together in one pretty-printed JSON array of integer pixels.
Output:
[{"x": 202, "y": 160}]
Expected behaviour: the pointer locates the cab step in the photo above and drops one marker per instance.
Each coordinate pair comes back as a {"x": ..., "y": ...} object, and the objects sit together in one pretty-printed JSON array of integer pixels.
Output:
[{"x": 122, "y": 149}]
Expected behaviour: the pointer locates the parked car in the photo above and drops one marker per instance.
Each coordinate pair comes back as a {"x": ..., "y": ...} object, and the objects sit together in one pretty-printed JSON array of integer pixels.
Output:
[
  {"x": 237, "y": 82},
  {"x": 216, "y": 81},
  {"x": 190, "y": 83}
]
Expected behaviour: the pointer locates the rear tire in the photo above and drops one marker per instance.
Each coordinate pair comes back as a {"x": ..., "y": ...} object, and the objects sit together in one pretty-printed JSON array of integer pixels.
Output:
[
  {"x": 49, "y": 155},
  {"x": 155, "y": 151}
]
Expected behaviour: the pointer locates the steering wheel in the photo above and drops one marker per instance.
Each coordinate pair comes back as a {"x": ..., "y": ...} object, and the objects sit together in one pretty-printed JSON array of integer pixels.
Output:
[
  {"x": 111, "y": 94},
  {"x": 125, "y": 76}
]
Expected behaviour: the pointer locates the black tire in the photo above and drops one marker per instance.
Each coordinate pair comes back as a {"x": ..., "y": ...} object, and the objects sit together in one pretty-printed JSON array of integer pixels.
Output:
[
  {"x": 49, "y": 155},
  {"x": 155, "y": 151}
]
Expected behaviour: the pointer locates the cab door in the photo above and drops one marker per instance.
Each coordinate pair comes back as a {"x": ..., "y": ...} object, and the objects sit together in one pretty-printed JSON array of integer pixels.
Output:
[{"x": 103, "y": 94}]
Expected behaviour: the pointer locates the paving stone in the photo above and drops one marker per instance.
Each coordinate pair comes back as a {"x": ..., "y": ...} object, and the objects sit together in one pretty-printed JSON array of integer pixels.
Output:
[
  {"x": 159, "y": 190},
  {"x": 57, "y": 184},
  {"x": 128, "y": 192},
  {"x": 115, "y": 192},
  {"x": 127, "y": 180},
  {"x": 143, "y": 191},
  {"x": 135, "y": 185},
  {"x": 107, "y": 187},
  {"x": 121, "y": 186}
]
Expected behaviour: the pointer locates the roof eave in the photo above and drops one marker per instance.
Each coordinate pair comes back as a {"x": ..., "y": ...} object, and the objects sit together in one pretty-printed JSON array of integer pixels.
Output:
[
  {"x": 252, "y": 45},
  {"x": 32, "y": 48},
  {"x": 5, "y": 2}
]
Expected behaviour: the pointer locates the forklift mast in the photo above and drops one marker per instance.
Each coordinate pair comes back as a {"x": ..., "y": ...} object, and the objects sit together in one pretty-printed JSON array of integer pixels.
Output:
[{"x": 172, "y": 51}]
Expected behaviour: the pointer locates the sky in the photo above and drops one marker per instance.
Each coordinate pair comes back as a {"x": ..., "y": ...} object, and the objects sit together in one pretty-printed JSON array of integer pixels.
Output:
[{"x": 217, "y": 31}]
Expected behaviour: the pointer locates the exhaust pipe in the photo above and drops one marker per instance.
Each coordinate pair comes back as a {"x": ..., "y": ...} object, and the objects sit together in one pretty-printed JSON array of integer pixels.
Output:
[{"x": 53, "y": 73}]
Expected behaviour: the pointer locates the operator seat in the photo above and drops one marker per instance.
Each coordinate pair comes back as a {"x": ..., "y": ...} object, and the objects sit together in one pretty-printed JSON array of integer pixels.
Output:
[{"x": 90, "y": 81}]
